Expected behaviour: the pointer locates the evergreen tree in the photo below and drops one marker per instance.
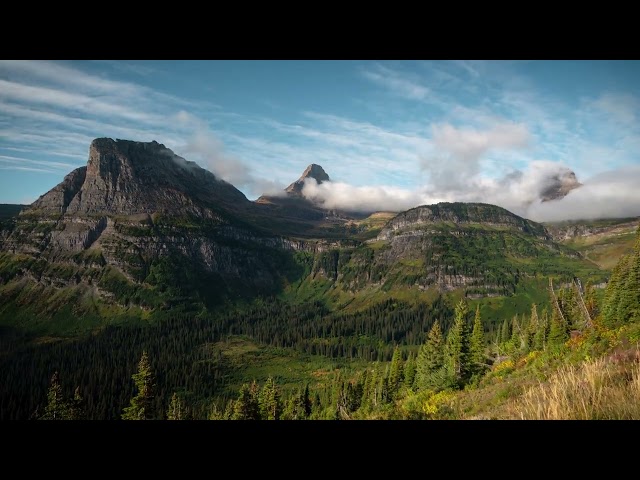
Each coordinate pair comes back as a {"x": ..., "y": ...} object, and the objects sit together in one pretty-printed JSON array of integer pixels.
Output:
[
  {"x": 177, "y": 409},
  {"x": 269, "y": 401},
  {"x": 430, "y": 357},
  {"x": 246, "y": 406},
  {"x": 141, "y": 406},
  {"x": 296, "y": 408},
  {"x": 612, "y": 293},
  {"x": 540, "y": 335},
  {"x": 628, "y": 309},
  {"x": 410, "y": 371},
  {"x": 306, "y": 401},
  {"x": 591, "y": 301},
  {"x": 534, "y": 323},
  {"x": 505, "y": 331},
  {"x": 458, "y": 344},
  {"x": 77, "y": 406},
  {"x": 395, "y": 372},
  {"x": 515, "y": 333},
  {"x": 558, "y": 330},
  {"x": 476, "y": 345},
  {"x": 57, "y": 407}
]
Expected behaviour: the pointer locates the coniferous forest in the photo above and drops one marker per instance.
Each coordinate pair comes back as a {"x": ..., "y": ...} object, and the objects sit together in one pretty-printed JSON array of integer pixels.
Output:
[{"x": 399, "y": 360}]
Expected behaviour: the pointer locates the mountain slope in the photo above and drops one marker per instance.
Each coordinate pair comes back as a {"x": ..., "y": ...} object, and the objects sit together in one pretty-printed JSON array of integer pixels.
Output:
[{"x": 138, "y": 228}]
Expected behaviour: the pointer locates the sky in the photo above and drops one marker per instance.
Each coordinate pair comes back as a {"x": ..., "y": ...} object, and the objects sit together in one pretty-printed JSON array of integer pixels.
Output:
[{"x": 391, "y": 134}]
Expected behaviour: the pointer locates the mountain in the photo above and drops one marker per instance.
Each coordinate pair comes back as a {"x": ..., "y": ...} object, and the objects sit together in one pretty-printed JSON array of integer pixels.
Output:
[
  {"x": 144, "y": 229},
  {"x": 293, "y": 214},
  {"x": 601, "y": 241},
  {"x": 142, "y": 250},
  {"x": 559, "y": 186},
  {"x": 140, "y": 228},
  {"x": 123, "y": 177},
  {"x": 312, "y": 171},
  {"x": 482, "y": 249}
]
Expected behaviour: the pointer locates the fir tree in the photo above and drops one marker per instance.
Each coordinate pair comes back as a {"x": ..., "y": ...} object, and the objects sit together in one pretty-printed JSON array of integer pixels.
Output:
[
  {"x": 540, "y": 335},
  {"x": 269, "y": 401},
  {"x": 458, "y": 344},
  {"x": 591, "y": 301},
  {"x": 558, "y": 330},
  {"x": 141, "y": 406},
  {"x": 430, "y": 357},
  {"x": 476, "y": 345},
  {"x": 395, "y": 372},
  {"x": 505, "y": 332},
  {"x": 177, "y": 409},
  {"x": 77, "y": 406},
  {"x": 410, "y": 371},
  {"x": 246, "y": 406},
  {"x": 57, "y": 407}
]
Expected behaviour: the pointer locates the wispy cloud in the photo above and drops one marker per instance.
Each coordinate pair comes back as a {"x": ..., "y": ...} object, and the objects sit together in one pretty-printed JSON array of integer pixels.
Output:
[
  {"x": 459, "y": 130},
  {"x": 404, "y": 85}
]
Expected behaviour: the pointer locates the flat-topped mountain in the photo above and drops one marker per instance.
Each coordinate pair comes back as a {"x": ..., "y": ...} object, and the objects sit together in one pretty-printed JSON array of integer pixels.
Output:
[{"x": 461, "y": 214}]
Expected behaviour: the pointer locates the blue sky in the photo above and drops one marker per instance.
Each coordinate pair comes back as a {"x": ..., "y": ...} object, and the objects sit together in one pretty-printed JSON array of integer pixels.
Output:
[{"x": 395, "y": 133}]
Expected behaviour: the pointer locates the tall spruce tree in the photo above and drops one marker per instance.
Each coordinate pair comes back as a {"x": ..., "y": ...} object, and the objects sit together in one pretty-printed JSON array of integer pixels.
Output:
[
  {"x": 395, "y": 372},
  {"x": 476, "y": 345},
  {"x": 558, "y": 329},
  {"x": 177, "y": 409},
  {"x": 141, "y": 405},
  {"x": 246, "y": 406},
  {"x": 430, "y": 357},
  {"x": 269, "y": 401},
  {"x": 458, "y": 344},
  {"x": 58, "y": 408},
  {"x": 410, "y": 371}
]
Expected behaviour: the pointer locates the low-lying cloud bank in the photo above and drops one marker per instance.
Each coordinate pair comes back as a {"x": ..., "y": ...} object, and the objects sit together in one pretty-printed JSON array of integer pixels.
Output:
[{"x": 608, "y": 195}]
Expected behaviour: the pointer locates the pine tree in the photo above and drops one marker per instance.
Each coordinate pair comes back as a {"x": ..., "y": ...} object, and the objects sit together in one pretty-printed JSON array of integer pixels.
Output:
[
  {"x": 534, "y": 323},
  {"x": 591, "y": 301},
  {"x": 141, "y": 406},
  {"x": 540, "y": 335},
  {"x": 515, "y": 333},
  {"x": 177, "y": 410},
  {"x": 458, "y": 344},
  {"x": 77, "y": 406},
  {"x": 246, "y": 405},
  {"x": 628, "y": 309},
  {"x": 410, "y": 371},
  {"x": 558, "y": 330},
  {"x": 269, "y": 401},
  {"x": 476, "y": 345},
  {"x": 430, "y": 357},
  {"x": 505, "y": 331},
  {"x": 395, "y": 372},
  {"x": 613, "y": 291},
  {"x": 57, "y": 407},
  {"x": 296, "y": 407}
]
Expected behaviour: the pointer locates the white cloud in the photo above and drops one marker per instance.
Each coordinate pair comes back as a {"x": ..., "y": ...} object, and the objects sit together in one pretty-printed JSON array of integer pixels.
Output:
[
  {"x": 343, "y": 196},
  {"x": 608, "y": 195}
]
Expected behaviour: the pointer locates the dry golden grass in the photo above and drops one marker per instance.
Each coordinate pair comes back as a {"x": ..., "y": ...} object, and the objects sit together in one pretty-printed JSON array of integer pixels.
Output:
[{"x": 596, "y": 390}]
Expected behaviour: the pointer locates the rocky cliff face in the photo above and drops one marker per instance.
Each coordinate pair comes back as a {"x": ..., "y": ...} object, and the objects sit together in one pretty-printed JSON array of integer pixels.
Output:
[
  {"x": 459, "y": 214},
  {"x": 138, "y": 205},
  {"x": 123, "y": 177}
]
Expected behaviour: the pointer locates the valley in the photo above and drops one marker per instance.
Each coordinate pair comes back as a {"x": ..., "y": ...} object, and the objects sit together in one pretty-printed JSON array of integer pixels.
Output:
[{"x": 144, "y": 251}]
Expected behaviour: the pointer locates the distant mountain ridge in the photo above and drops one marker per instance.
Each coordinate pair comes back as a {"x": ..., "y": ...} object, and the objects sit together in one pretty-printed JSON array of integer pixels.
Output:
[{"x": 141, "y": 229}]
